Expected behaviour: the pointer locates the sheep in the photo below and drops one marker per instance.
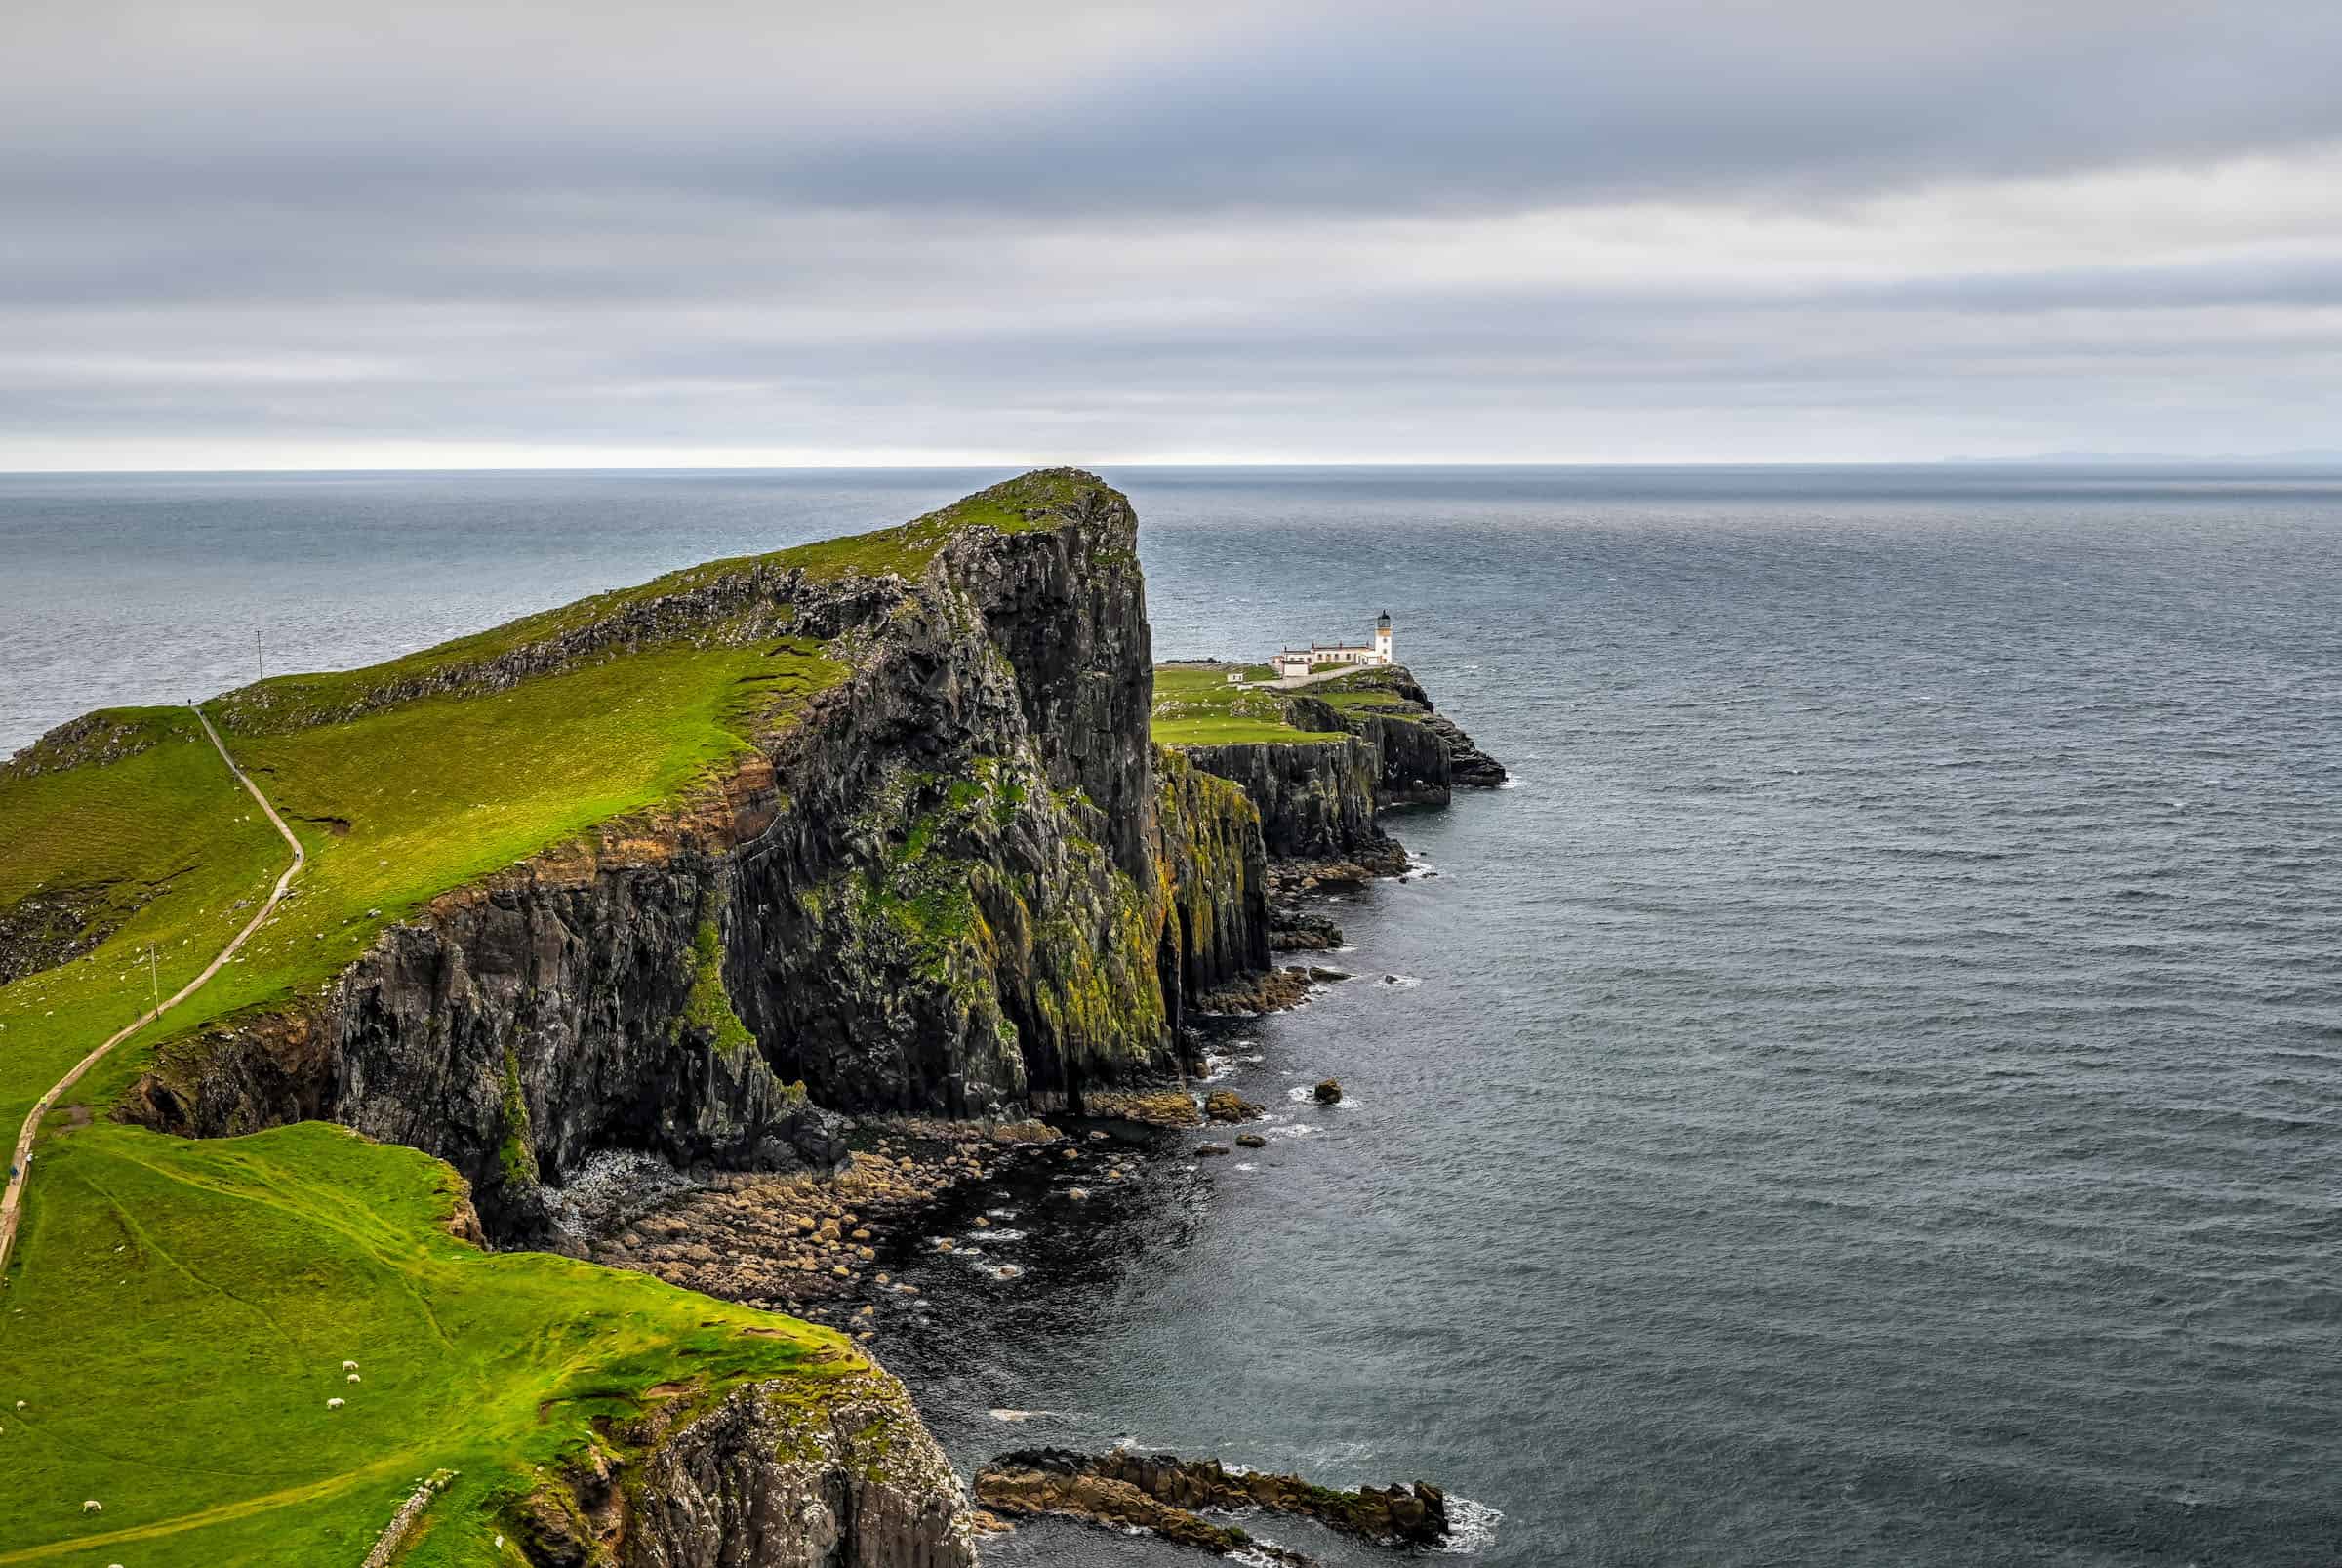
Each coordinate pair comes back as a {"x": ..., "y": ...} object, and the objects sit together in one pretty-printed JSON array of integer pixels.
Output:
[
  {"x": 353, "y": 1377},
  {"x": 334, "y": 1404},
  {"x": 93, "y": 1506},
  {"x": 349, "y": 1366}
]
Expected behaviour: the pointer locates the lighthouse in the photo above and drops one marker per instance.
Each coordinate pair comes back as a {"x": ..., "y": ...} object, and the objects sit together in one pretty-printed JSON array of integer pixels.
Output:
[{"x": 1382, "y": 638}]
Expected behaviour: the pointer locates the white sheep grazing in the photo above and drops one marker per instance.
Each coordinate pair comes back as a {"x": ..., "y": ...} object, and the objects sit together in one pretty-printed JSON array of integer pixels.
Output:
[
  {"x": 93, "y": 1506},
  {"x": 349, "y": 1366},
  {"x": 333, "y": 1404},
  {"x": 353, "y": 1377}
]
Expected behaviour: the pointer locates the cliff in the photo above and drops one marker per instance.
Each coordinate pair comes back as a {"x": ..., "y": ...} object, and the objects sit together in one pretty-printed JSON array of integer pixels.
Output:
[
  {"x": 951, "y": 882},
  {"x": 1317, "y": 799},
  {"x": 762, "y": 1475}
]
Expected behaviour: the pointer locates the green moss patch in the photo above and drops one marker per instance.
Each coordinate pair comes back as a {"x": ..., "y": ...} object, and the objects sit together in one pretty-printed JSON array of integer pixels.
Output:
[{"x": 709, "y": 1009}]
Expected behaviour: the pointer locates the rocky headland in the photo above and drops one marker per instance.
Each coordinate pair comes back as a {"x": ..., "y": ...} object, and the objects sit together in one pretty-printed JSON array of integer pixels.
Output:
[{"x": 948, "y": 912}]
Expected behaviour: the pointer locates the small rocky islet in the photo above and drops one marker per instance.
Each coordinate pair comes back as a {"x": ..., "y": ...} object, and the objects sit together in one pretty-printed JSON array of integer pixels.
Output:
[{"x": 969, "y": 870}]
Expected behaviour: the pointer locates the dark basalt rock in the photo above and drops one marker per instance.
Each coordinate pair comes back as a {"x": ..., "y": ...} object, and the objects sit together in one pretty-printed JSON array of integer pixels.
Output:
[
  {"x": 1316, "y": 798},
  {"x": 766, "y": 1476},
  {"x": 1292, "y": 929},
  {"x": 1054, "y": 1480},
  {"x": 1329, "y": 1093}
]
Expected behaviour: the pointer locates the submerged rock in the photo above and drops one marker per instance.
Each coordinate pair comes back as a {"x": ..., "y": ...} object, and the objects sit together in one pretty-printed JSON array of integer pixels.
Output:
[
  {"x": 1329, "y": 1091},
  {"x": 1272, "y": 991}
]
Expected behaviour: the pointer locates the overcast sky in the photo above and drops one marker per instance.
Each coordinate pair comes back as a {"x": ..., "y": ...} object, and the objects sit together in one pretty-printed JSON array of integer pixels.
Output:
[{"x": 319, "y": 234}]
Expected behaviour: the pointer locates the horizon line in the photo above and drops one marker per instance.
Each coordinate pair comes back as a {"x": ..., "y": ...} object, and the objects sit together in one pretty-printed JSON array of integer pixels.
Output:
[{"x": 2296, "y": 460}]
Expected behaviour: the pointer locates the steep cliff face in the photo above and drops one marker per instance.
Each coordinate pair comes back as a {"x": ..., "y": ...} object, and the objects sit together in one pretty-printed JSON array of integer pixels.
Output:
[
  {"x": 765, "y": 1479},
  {"x": 818, "y": 1471},
  {"x": 1213, "y": 864},
  {"x": 954, "y": 884},
  {"x": 1316, "y": 798},
  {"x": 1407, "y": 763}
]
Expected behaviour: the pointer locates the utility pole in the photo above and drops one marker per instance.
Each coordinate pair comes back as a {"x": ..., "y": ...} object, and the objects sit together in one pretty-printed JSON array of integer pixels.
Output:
[
  {"x": 262, "y": 663},
  {"x": 154, "y": 978}
]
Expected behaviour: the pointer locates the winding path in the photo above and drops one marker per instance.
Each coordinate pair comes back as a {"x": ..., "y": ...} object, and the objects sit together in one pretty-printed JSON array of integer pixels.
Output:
[{"x": 20, "y": 1162}]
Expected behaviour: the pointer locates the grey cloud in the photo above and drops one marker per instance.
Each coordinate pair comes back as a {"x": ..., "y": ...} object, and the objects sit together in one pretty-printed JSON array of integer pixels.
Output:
[{"x": 1000, "y": 228}]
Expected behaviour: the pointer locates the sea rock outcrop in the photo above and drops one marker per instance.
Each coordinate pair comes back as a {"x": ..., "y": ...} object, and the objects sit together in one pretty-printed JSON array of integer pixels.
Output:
[{"x": 1130, "y": 1489}]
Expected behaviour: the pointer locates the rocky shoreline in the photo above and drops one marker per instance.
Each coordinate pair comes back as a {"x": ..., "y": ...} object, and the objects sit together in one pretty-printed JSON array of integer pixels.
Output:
[{"x": 839, "y": 1246}]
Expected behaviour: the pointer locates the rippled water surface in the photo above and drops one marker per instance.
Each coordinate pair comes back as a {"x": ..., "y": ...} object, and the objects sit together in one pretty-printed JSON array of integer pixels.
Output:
[{"x": 1873, "y": 1093}]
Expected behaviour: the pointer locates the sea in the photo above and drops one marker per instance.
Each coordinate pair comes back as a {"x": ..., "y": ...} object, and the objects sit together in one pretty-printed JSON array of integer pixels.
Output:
[{"x": 1868, "y": 1093}]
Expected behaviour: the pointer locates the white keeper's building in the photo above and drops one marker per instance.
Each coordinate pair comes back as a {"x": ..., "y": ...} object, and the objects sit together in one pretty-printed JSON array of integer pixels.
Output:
[{"x": 1293, "y": 663}]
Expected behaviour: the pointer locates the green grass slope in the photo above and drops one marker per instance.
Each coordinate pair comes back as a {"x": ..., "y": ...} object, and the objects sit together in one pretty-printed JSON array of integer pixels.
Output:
[
  {"x": 1198, "y": 705},
  {"x": 181, "y": 1319},
  {"x": 166, "y": 835}
]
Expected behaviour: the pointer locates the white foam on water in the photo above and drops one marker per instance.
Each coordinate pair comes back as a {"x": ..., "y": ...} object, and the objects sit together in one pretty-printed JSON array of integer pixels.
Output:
[
  {"x": 1241, "y": 1165},
  {"x": 1001, "y": 1214},
  {"x": 1400, "y": 983},
  {"x": 1471, "y": 1526},
  {"x": 998, "y": 1235}
]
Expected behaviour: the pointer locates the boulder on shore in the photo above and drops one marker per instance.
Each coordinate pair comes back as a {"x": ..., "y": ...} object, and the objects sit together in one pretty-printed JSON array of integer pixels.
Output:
[{"x": 1225, "y": 1104}]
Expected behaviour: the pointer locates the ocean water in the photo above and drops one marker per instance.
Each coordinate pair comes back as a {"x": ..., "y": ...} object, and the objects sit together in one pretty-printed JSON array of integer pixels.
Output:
[{"x": 1872, "y": 1094}]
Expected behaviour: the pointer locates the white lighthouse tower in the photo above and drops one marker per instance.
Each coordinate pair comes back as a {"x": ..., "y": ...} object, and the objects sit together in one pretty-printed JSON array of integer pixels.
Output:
[{"x": 1382, "y": 638}]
